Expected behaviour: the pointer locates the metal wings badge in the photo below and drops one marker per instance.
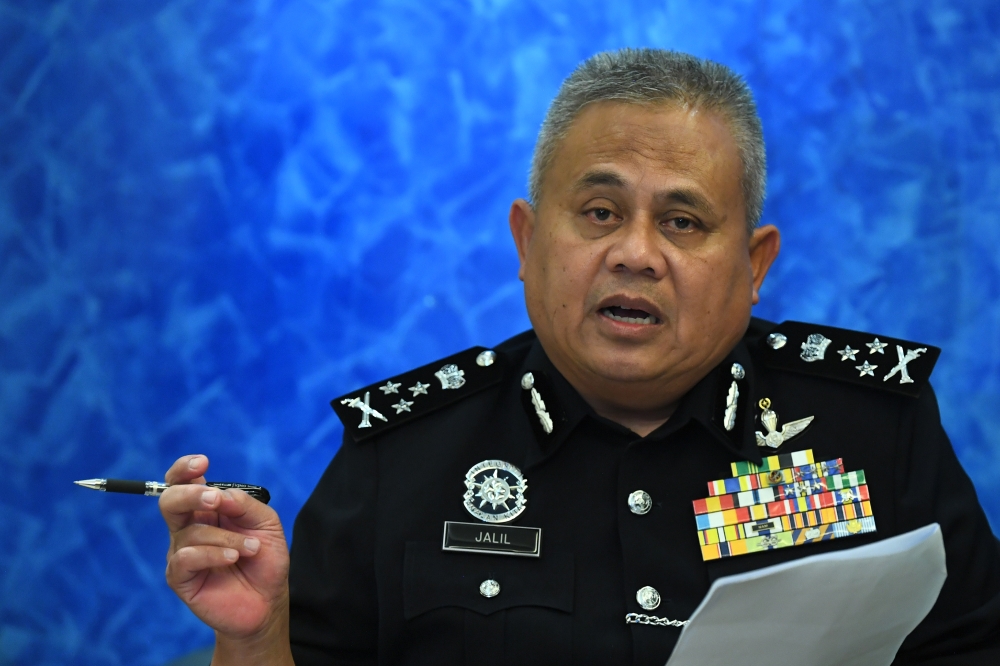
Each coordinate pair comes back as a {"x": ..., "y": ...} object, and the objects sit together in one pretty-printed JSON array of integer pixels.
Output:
[
  {"x": 775, "y": 438},
  {"x": 495, "y": 491}
]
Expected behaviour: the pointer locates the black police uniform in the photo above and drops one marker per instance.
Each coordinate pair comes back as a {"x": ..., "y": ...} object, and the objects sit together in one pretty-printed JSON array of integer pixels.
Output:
[{"x": 370, "y": 582}]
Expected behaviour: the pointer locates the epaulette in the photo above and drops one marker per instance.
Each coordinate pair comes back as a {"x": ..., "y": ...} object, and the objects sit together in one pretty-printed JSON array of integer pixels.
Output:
[
  {"x": 383, "y": 406},
  {"x": 864, "y": 359}
]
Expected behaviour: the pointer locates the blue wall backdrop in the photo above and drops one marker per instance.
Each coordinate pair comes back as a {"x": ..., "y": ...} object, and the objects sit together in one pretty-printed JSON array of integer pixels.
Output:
[{"x": 215, "y": 216}]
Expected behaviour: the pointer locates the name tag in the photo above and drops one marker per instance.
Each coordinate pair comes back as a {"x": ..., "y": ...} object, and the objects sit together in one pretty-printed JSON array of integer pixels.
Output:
[{"x": 492, "y": 539}]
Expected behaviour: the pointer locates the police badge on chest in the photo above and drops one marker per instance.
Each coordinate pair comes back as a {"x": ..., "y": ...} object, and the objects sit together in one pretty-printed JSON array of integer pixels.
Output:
[{"x": 495, "y": 494}]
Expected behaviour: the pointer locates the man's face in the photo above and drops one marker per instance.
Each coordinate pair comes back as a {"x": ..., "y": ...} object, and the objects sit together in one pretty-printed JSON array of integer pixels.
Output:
[{"x": 637, "y": 262}]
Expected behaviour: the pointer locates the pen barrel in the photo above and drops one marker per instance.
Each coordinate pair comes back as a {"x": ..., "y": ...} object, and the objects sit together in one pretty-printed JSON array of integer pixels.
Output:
[
  {"x": 154, "y": 488},
  {"x": 122, "y": 486},
  {"x": 257, "y": 492}
]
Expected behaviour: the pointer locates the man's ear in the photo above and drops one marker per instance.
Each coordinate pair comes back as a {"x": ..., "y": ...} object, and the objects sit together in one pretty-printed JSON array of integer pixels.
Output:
[
  {"x": 522, "y": 226},
  {"x": 765, "y": 243}
]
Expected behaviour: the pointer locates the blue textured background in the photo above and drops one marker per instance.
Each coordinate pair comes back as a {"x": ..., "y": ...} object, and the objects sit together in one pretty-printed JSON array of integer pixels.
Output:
[{"x": 217, "y": 215}]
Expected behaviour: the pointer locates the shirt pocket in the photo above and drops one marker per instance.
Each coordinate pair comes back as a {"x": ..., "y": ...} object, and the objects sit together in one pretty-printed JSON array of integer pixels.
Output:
[{"x": 448, "y": 617}]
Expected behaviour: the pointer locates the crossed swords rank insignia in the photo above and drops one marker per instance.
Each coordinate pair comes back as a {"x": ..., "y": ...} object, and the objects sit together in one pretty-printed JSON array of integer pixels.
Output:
[
  {"x": 904, "y": 360},
  {"x": 366, "y": 409}
]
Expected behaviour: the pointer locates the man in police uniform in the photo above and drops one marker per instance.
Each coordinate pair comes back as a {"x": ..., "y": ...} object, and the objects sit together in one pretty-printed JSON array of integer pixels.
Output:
[{"x": 570, "y": 495}]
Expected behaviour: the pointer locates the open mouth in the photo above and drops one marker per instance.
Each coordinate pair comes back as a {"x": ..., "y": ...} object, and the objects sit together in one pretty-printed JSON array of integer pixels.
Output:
[{"x": 628, "y": 315}]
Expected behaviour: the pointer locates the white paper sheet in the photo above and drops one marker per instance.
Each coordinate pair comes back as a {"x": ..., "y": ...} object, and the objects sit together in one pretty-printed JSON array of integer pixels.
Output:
[{"x": 847, "y": 608}]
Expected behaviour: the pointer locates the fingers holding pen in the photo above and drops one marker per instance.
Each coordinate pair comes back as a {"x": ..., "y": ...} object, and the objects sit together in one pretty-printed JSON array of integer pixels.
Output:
[
  {"x": 189, "y": 503},
  {"x": 184, "y": 504},
  {"x": 198, "y": 535},
  {"x": 187, "y": 469},
  {"x": 199, "y": 547},
  {"x": 228, "y": 558}
]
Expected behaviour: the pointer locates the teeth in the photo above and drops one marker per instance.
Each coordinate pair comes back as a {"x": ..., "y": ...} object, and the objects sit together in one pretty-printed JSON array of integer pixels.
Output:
[{"x": 650, "y": 319}]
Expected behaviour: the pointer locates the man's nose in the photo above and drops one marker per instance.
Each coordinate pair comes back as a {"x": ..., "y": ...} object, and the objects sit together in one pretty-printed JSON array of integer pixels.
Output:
[{"x": 637, "y": 249}]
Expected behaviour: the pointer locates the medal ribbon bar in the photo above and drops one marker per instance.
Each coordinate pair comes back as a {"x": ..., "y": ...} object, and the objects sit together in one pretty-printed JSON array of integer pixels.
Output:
[
  {"x": 795, "y": 521},
  {"x": 775, "y": 477},
  {"x": 771, "y": 463},
  {"x": 786, "y": 539},
  {"x": 781, "y": 508},
  {"x": 777, "y": 493}
]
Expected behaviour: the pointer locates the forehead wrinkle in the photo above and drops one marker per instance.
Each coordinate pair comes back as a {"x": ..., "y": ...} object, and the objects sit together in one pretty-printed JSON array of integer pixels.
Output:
[
  {"x": 651, "y": 146},
  {"x": 649, "y": 152}
]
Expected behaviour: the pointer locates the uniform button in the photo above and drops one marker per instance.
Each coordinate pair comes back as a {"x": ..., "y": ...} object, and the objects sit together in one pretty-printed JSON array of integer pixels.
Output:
[
  {"x": 490, "y": 588},
  {"x": 648, "y": 598},
  {"x": 640, "y": 502}
]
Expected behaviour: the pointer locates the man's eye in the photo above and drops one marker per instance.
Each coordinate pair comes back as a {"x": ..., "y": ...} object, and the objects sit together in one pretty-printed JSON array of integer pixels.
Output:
[
  {"x": 681, "y": 223},
  {"x": 602, "y": 214}
]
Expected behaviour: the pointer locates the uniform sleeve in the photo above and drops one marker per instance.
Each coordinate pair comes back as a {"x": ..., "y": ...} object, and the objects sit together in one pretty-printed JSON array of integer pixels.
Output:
[
  {"x": 334, "y": 612},
  {"x": 963, "y": 627}
]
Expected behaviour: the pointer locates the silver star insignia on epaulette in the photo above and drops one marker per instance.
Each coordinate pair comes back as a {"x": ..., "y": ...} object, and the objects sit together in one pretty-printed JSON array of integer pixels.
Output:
[
  {"x": 402, "y": 406},
  {"x": 847, "y": 353},
  {"x": 419, "y": 388},
  {"x": 773, "y": 439},
  {"x": 390, "y": 387},
  {"x": 866, "y": 368},
  {"x": 876, "y": 347}
]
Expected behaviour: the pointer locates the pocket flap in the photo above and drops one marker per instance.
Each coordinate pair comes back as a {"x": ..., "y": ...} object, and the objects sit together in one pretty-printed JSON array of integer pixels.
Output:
[{"x": 433, "y": 578}]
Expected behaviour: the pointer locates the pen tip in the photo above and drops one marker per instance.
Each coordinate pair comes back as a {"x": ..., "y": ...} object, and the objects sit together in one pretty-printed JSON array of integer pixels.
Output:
[{"x": 94, "y": 484}]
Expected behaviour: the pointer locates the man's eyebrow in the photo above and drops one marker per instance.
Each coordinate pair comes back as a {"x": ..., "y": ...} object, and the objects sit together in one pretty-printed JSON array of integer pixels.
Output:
[
  {"x": 598, "y": 179},
  {"x": 687, "y": 197},
  {"x": 681, "y": 195}
]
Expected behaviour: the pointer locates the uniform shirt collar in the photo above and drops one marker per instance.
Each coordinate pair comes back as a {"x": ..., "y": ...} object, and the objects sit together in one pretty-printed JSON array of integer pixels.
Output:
[
  {"x": 704, "y": 405},
  {"x": 565, "y": 406}
]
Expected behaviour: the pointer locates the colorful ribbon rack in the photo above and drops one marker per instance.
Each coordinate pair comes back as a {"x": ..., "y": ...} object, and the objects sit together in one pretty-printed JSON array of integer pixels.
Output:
[{"x": 788, "y": 500}]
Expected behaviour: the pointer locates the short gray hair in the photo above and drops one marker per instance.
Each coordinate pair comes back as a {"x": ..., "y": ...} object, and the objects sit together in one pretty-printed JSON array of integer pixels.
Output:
[{"x": 644, "y": 76}]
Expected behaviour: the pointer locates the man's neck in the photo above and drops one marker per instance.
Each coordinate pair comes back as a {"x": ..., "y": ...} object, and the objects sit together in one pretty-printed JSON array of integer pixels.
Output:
[
  {"x": 641, "y": 423},
  {"x": 642, "y": 406}
]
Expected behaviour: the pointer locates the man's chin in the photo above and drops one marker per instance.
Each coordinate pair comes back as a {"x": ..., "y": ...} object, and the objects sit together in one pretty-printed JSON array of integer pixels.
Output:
[
  {"x": 637, "y": 367},
  {"x": 592, "y": 357}
]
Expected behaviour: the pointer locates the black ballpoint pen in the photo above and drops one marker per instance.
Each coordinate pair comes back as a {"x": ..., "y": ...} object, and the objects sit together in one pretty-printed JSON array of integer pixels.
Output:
[{"x": 154, "y": 489}]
